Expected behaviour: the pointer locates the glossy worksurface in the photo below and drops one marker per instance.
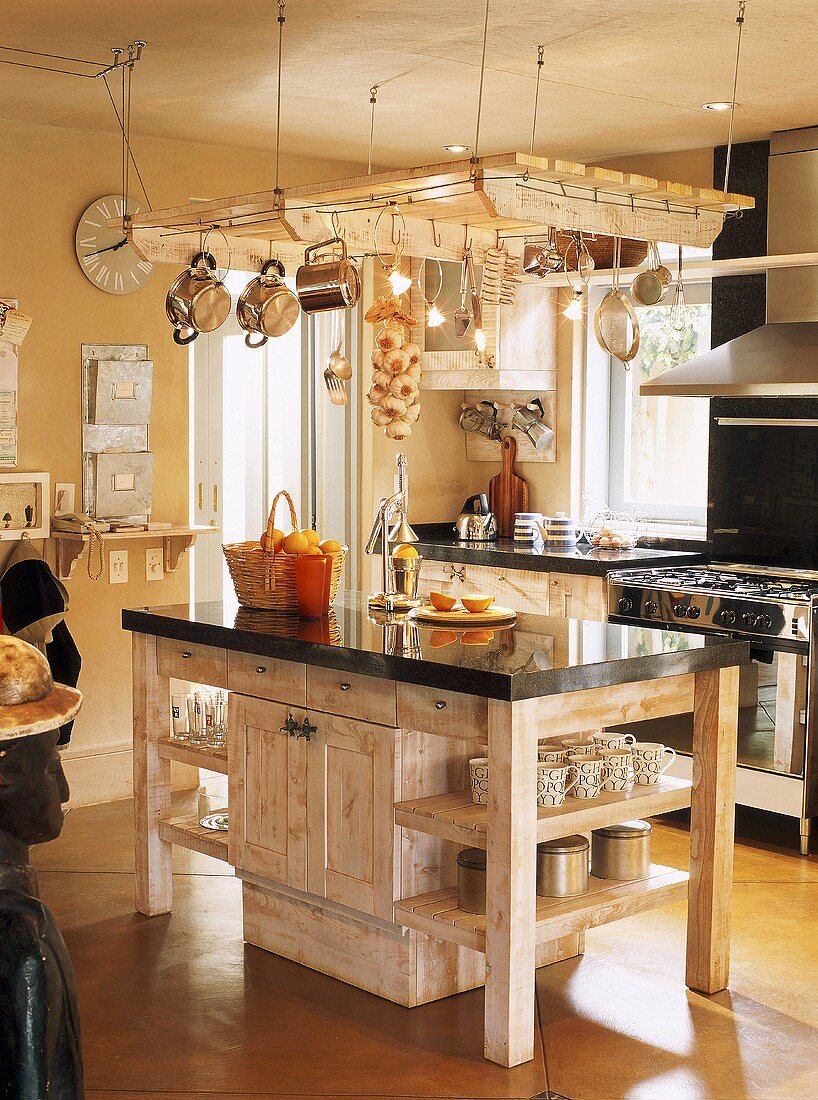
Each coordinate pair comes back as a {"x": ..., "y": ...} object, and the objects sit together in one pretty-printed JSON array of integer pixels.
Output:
[
  {"x": 537, "y": 657},
  {"x": 439, "y": 543}
]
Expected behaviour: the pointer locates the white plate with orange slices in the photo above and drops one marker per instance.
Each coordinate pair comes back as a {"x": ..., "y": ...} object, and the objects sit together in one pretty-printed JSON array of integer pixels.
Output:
[{"x": 470, "y": 610}]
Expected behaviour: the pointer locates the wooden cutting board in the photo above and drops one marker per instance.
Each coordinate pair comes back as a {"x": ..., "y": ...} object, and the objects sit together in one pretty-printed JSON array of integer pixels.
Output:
[
  {"x": 508, "y": 493},
  {"x": 460, "y": 618}
]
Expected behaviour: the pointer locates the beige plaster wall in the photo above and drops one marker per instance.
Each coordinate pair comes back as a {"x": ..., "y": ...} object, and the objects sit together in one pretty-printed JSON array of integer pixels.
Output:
[{"x": 49, "y": 176}]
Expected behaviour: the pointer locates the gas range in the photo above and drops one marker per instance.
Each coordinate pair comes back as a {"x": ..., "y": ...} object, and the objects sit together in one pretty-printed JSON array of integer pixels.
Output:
[{"x": 773, "y": 605}]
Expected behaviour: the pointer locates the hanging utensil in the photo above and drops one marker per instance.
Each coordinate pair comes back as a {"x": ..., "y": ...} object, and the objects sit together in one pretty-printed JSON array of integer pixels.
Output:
[
  {"x": 331, "y": 284},
  {"x": 615, "y": 323},
  {"x": 198, "y": 301},
  {"x": 338, "y": 362},
  {"x": 678, "y": 307},
  {"x": 476, "y": 307},
  {"x": 461, "y": 316},
  {"x": 266, "y": 307},
  {"x": 649, "y": 286}
]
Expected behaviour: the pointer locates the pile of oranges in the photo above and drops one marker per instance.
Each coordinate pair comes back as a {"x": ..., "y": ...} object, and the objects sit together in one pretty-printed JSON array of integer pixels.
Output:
[{"x": 299, "y": 544}]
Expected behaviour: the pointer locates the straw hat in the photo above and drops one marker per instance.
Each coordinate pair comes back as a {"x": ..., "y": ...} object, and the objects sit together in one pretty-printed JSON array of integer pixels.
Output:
[{"x": 30, "y": 701}]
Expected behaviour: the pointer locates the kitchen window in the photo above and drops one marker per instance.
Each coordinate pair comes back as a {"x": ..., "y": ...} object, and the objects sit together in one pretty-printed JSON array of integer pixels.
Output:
[{"x": 649, "y": 454}]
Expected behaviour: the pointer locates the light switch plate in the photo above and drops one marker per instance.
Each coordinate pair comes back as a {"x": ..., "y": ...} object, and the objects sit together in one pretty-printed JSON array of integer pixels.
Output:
[
  {"x": 118, "y": 566},
  {"x": 64, "y": 495},
  {"x": 154, "y": 564}
]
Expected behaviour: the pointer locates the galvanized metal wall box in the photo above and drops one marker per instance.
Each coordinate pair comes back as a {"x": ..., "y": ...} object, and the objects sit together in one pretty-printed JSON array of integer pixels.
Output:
[
  {"x": 123, "y": 484},
  {"x": 119, "y": 391}
]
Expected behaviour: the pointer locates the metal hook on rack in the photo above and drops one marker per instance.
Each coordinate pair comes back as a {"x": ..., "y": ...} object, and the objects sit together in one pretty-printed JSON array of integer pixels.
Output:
[
  {"x": 436, "y": 238},
  {"x": 337, "y": 228}
]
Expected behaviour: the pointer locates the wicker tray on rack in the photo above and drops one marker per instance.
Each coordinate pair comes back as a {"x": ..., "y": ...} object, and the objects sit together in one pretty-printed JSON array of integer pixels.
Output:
[{"x": 265, "y": 580}]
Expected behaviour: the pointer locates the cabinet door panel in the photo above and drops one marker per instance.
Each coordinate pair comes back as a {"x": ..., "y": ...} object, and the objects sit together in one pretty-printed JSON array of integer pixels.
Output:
[
  {"x": 577, "y": 596},
  {"x": 357, "y": 776},
  {"x": 268, "y": 793}
]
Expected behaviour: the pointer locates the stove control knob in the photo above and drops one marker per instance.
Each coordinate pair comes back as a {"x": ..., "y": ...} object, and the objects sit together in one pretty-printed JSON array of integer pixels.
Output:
[
  {"x": 693, "y": 612},
  {"x": 765, "y": 621},
  {"x": 625, "y": 605},
  {"x": 748, "y": 619},
  {"x": 727, "y": 617},
  {"x": 651, "y": 608},
  {"x": 679, "y": 610}
]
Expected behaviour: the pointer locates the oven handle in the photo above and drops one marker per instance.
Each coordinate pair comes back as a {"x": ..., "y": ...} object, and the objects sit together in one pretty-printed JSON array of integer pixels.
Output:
[
  {"x": 764, "y": 422},
  {"x": 808, "y": 807}
]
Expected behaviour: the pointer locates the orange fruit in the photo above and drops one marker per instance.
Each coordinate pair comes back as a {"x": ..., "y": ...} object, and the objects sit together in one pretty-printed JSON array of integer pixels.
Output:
[
  {"x": 311, "y": 536},
  {"x": 295, "y": 543},
  {"x": 441, "y": 602},
  {"x": 477, "y": 637},
  {"x": 440, "y": 638},
  {"x": 406, "y": 550},
  {"x": 475, "y": 602},
  {"x": 278, "y": 540},
  {"x": 331, "y": 546},
  {"x": 313, "y": 552}
]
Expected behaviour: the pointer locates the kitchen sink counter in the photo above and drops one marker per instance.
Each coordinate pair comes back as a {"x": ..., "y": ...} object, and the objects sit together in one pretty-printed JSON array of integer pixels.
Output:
[{"x": 437, "y": 543}]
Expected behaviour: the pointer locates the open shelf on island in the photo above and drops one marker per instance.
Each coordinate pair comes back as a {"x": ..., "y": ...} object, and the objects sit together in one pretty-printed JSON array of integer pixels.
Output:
[
  {"x": 188, "y": 833},
  {"x": 214, "y": 760},
  {"x": 437, "y": 914},
  {"x": 455, "y": 817}
]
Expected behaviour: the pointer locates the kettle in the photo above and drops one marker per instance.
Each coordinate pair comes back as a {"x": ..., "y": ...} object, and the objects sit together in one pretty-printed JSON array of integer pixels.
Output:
[{"x": 475, "y": 522}]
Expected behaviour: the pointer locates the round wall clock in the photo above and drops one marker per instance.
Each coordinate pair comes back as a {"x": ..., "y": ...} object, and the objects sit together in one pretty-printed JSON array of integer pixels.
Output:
[{"x": 105, "y": 255}]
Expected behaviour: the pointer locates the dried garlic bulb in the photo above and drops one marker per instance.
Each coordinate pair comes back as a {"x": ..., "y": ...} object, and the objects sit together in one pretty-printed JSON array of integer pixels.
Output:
[
  {"x": 398, "y": 429},
  {"x": 394, "y": 406},
  {"x": 412, "y": 412},
  {"x": 414, "y": 353},
  {"x": 396, "y": 361},
  {"x": 376, "y": 394},
  {"x": 389, "y": 338},
  {"x": 404, "y": 387},
  {"x": 377, "y": 358},
  {"x": 382, "y": 378},
  {"x": 380, "y": 418}
]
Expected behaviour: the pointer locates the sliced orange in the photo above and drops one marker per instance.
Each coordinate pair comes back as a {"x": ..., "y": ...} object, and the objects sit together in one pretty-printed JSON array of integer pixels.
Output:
[
  {"x": 441, "y": 602},
  {"x": 475, "y": 602},
  {"x": 405, "y": 550},
  {"x": 477, "y": 637},
  {"x": 440, "y": 638}
]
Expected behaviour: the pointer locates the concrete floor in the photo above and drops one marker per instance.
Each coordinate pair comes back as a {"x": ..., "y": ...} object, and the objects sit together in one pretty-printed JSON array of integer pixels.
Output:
[{"x": 178, "y": 1008}]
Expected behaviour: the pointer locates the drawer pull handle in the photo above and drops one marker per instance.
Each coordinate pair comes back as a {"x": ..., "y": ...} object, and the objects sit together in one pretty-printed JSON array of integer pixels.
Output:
[
  {"x": 260, "y": 669},
  {"x": 186, "y": 654},
  {"x": 345, "y": 687},
  {"x": 440, "y": 704}
]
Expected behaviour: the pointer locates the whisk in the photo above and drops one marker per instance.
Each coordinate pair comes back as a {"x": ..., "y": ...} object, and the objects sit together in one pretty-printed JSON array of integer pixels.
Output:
[{"x": 678, "y": 307}]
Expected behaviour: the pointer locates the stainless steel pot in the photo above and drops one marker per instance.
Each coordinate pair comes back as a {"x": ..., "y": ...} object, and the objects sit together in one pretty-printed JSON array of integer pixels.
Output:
[
  {"x": 331, "y": 284},
  {"x": 266, "y": 307},
  {"x": 471, "y": 880},
  {"x": 562, "y": 867},
  {"x": 198, "y": 301},
  {"x": 621, "y": 852}
]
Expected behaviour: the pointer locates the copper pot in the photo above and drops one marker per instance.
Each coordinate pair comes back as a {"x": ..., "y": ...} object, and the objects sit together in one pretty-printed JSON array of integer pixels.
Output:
[
  {"x": 198, "y": 301},
  {"x": 266, "y": 307},
  {"x": 331, "y": 284}
]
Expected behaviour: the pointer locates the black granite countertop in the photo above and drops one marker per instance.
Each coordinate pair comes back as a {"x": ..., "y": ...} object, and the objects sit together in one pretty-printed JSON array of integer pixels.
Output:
[
  {"x": 539, "y": 656},
  {"x": 438, "y": 543}
]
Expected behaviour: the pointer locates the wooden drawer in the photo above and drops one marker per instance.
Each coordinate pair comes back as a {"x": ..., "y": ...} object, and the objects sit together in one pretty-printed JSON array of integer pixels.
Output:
[
  {"x": 199, "y": 664},
  {"x": 352, "y": 695},
  {"x": 267, "y": 678},
  {"x": 521, "y": 589},
  {"x": 448, "y": 713},
  {"x": 577, "y": 596}
]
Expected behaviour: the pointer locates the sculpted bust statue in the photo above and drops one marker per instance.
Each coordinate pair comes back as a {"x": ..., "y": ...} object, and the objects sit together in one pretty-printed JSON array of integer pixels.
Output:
[{"x": 40, "y": 1056}]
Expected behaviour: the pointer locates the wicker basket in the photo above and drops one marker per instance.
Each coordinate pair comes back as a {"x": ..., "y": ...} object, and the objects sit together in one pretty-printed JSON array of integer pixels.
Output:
[{"x": 266, "y": 581}]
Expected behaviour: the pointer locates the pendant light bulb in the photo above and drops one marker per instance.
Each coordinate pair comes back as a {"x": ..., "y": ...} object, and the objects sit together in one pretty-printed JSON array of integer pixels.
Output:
[
  {"x": 434, "y": 318},
  {"x": 399, "y": 282},
  {"x": 573, "y": 311}
]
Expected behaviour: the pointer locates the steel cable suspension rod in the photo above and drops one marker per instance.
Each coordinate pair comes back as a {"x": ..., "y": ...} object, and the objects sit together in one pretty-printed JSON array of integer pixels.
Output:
[
  {"x": 476, "y": 149},
  {"x": 740, "y": 23},
  {"x": 281, "y": 21},
  {"x": 540, "y": 56}
]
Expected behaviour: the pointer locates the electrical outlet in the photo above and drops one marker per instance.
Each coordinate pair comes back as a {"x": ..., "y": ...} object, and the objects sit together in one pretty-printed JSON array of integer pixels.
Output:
[
  {"x": 154, "y": 564},
  {"x": 64, "y": 494},
  {"x": 118, "y": 566}
]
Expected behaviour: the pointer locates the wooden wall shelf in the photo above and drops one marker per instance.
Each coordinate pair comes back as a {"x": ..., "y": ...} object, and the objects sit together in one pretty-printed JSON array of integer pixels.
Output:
[
  {"x": 188, "y": 833},
  {"x": 437, "y": 913},
  {"x": 455, "y": 817},
  {"x": 71, "y": 545}
]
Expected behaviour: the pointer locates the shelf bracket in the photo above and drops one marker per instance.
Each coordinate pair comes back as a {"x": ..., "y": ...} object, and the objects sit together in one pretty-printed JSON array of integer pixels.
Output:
[{"x": 174, "y": 547}]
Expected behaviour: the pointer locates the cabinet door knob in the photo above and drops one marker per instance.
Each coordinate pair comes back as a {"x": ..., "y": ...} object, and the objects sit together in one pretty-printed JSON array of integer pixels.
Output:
[
  {"x": 261, "y": 668},
  {"x": 186, "y": 654},
  {"x": 440, "y": 704},
  {"x": 345, "y": 687}
]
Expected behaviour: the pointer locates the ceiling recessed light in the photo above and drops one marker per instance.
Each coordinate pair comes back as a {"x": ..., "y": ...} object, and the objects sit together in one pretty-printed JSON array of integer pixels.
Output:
[
  {"x": 719, "y": 105},
  {"x": 457, "y": 148}
]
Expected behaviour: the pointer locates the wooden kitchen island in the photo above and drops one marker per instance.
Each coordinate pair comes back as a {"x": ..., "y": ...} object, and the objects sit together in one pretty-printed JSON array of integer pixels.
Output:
[{"x": 348, "y": 777}]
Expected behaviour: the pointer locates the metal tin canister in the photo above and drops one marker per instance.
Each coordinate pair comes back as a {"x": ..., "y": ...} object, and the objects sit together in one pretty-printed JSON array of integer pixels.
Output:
[
  {"x": 621, "y": 852},
  {"x": 562, "y": 867},
  {"x": 471, "y": 880}
]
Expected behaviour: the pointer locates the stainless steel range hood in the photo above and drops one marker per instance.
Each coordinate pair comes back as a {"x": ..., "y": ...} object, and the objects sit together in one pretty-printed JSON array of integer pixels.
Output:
[{"x": 779, "y": 359}]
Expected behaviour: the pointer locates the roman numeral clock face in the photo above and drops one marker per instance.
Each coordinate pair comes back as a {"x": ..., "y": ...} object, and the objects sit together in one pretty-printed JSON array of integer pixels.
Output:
[{"x": 105, "y": 256}]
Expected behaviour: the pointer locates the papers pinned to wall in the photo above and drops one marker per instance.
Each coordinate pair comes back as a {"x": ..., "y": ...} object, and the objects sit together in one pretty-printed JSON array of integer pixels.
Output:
[{"x": 13, "y": 328}]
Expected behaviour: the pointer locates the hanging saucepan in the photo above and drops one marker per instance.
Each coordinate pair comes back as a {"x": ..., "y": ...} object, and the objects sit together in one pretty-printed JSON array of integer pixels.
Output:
[
  {"x": 198, "y": 301},
  {"x": 330, "y": 284},
  {"x": 266, "y": 307}
]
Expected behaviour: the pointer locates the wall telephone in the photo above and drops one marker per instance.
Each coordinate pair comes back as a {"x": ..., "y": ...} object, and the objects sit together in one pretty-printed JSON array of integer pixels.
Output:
[{"x": 81, "y": 524}]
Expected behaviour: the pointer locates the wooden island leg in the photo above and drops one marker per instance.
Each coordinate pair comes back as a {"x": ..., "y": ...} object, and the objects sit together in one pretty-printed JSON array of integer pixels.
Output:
[
  {"x": 151, "y": 781},
  {"x": 511, "y": 882},
  {"x": 712, "y": 818}
]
